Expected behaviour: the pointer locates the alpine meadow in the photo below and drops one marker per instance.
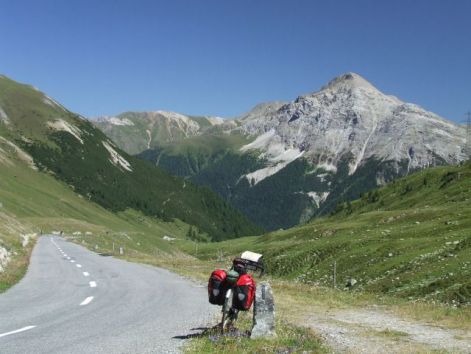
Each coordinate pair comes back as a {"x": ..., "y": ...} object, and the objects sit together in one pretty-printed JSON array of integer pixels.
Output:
[{"x": 235, "y": 177}]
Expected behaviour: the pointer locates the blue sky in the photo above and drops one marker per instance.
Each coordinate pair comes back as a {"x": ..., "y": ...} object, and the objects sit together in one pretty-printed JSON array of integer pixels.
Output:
[{"x": 221, "y": 57}]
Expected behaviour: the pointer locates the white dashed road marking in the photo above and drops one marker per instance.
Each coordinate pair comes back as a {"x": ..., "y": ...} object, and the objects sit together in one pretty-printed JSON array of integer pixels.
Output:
[
  {"x": 17, "y": 331},
  {"x": 87, "y": 301},
  {"x": 83, "y": 303}
]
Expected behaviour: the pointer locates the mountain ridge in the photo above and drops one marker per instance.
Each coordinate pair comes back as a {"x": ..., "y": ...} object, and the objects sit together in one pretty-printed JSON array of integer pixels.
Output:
[
  {"x": 351, "y": 115},
  {"x": 73, "y": 150},
  {"x": 320, "y": 149}
]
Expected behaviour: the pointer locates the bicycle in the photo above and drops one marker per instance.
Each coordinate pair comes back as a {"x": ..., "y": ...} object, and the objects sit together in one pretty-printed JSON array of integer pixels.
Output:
[{"x": 248, "y": 261}]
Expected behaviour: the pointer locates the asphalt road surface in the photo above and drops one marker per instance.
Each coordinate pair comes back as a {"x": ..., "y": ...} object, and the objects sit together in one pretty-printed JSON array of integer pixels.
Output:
[{"x": 75, "y": 301}]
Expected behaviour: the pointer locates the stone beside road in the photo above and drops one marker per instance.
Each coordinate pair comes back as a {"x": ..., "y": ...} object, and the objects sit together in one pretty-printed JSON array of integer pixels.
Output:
[{"x": 264, "y": 312}]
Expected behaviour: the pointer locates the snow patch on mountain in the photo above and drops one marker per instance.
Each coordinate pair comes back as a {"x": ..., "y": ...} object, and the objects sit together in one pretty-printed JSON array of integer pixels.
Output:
[
  {"x": 62, "y": 125},
  {"x": 115, "y": 158}
]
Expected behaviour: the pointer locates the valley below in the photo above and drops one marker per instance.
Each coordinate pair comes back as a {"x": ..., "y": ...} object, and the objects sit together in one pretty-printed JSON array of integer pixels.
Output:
[
  {"x": 368, "y": 247},
  {"x": 402, "y": 315}
]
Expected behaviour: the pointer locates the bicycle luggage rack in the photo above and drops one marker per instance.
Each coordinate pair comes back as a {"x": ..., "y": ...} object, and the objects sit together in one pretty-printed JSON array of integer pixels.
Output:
[{"x": 252, "y": 261}]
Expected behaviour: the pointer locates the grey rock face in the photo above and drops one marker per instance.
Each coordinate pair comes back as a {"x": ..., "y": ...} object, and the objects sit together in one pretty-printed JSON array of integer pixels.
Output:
[
  {"x": 264, "y": 312},
  {"x": 350, "y": 116}
]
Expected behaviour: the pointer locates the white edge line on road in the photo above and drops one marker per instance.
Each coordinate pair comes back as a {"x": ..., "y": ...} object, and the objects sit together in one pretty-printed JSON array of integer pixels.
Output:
[
  {"x": 79, "y": 265},
  {"x": 87, "y": 301},
  {"x": 17, "y": 331},
  {"x": 86, "y": 274},
  {"x": 92, "y": 284},
  {"x": 72, "y": 261}
]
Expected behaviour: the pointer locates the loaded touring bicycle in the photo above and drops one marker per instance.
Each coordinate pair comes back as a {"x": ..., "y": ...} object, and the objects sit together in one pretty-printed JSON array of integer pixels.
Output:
[{"x": 234, "y": 290}]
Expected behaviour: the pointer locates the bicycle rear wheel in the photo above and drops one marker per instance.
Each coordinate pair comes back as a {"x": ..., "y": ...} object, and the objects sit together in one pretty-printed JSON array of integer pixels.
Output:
[{"x": 226, "y": 310}]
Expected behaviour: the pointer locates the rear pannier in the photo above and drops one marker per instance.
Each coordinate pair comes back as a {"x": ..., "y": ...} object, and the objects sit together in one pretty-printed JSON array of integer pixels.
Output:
[
  {"x": 244, "y": 292},
  {"x": 216, "y": 285}
]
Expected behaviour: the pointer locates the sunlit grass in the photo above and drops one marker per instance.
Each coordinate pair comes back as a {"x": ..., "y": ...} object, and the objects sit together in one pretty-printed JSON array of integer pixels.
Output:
[{"x": 289, "y": 339}]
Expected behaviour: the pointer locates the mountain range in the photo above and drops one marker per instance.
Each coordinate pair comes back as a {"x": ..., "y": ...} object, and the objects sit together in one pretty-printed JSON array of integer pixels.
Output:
[
  {"x": 39, "y": 131},
  {"x": 283, "y": 163},
  {"x": 406, "y": 239}
]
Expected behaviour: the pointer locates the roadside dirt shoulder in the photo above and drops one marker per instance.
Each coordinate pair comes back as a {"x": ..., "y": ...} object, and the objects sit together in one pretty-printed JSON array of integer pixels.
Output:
[{"x": 373, "y": 330}]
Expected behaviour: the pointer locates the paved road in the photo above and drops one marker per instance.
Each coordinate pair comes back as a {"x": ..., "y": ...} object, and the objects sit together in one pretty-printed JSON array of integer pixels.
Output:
[{"x": 81, "y": 302}]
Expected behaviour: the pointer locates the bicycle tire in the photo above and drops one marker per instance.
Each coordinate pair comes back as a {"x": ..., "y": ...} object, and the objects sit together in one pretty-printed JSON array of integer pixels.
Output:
[{"x": 226, "y": 308}]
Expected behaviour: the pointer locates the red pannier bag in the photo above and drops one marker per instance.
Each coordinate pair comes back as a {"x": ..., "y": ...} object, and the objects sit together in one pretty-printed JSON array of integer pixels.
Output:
[
  {"x": 216, "y": 287},
  {"x": 244, "y": 293}
]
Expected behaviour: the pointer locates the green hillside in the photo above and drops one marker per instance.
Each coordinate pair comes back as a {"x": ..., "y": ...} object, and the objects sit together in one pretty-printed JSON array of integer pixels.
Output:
[
  {"x": 215, "y": 161},
  {"x": 410, "y": 239},
  {"x": 32, "y": 202},
  {"x": 79, "y": 154},
  {"x": 211, "y": 160}
]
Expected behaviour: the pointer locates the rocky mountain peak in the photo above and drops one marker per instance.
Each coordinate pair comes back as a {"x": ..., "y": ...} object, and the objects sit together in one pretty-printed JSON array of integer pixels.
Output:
[
  {"x": 348, "y": 81},
  {"x": 350, "y": 119}
]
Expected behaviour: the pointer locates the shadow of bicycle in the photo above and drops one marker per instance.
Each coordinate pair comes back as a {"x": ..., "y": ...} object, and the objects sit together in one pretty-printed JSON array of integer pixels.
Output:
[{"x": 213, "y": 333}]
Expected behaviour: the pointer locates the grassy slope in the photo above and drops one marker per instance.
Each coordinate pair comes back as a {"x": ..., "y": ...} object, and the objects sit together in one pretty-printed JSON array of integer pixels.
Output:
[
  {"x": 33, "y": 201},
  {"x": 190, "y": 156},
  {"x": 216, "y": 161},
  {"x": 410, "y": 239},
  {"x": 86, "y": 166},
  {"x": 447, "y": 188}
]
